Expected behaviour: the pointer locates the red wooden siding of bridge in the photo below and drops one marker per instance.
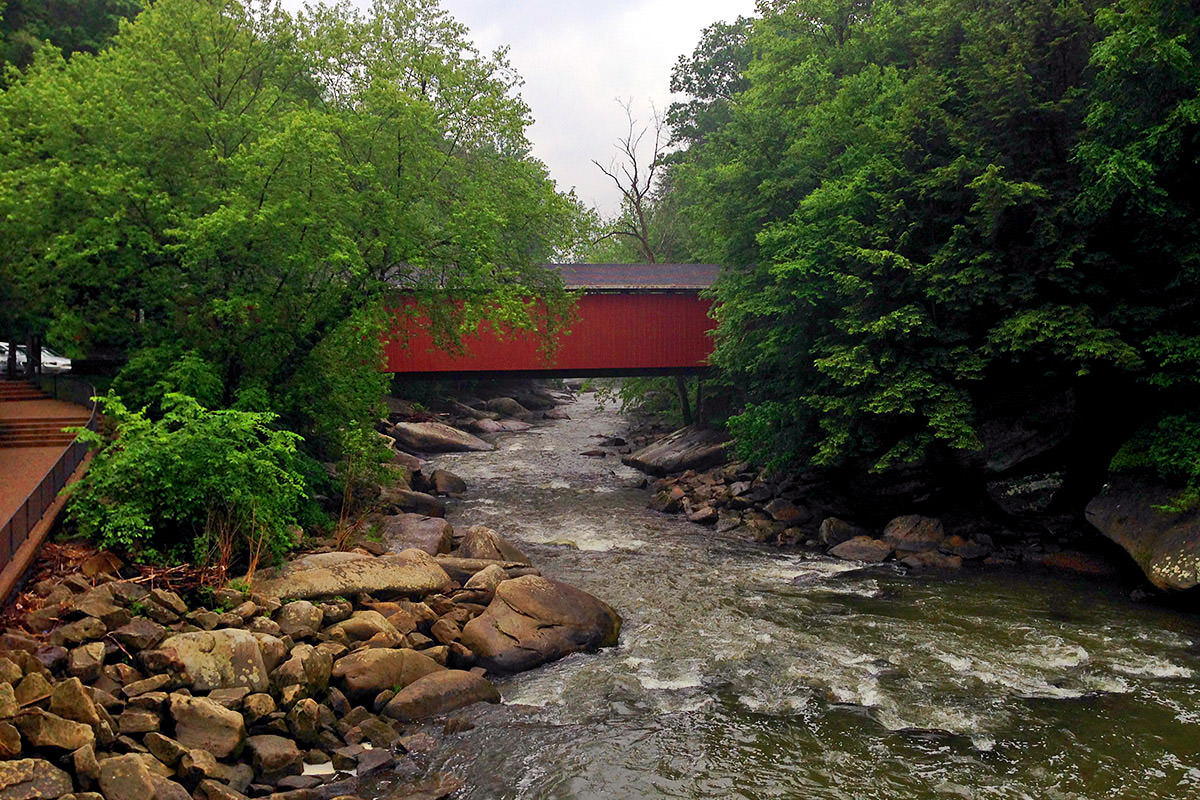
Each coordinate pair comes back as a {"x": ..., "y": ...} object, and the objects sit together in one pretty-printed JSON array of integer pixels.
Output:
[
  {"x": 615, "y": 333},
  {"x": 631, "y": 319}
]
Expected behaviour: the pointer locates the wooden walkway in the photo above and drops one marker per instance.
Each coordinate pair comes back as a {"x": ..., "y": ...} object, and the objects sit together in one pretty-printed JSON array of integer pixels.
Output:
[{"x": 31, "y": 440}]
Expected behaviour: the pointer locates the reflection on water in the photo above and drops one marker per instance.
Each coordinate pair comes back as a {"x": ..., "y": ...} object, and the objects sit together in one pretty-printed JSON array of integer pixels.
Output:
[{"x": 745, "y": 672}]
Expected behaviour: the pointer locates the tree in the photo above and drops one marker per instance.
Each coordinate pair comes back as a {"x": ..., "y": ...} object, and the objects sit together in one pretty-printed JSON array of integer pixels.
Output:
[
  {"x": 247, "y": 184},
  {"x": 72, "y": 26},
  {"x": 895, "y": 194}
]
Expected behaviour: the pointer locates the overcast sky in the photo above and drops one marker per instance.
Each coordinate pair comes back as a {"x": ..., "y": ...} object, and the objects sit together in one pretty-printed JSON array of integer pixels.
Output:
[{"x": 579, "y": 58}]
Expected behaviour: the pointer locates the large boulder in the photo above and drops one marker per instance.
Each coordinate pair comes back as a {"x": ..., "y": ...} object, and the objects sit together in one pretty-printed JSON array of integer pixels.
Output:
[
  {"x": 533, "y": 620},
  {"x": 687, "y": 448},
  {"x": 366, "y": 673},
  {"x": 499, "y": 426},
  {"x": 914, "y": 534},
  {"x": 862, "y": 548},
  {"x": 438, "y": 693},
  {"x": 407, "y": 501},
  {"x": 432, "y": 534},
  {"x": 32, "y": 779},
  {"x": 410, "y": 572},
  {"x": 434, "y": 437},
  {"x": 484, "y": 543},
  {"x": 205, "y": 660},
  {"x": 1166, "y": 545},
  {"x": 506, "y": 406}
]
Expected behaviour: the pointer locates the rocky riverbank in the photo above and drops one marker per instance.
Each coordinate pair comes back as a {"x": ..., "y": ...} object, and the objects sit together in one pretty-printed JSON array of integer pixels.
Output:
[
  {"x": 338, "y": 666},
  {"x": 697, "y": 476}
]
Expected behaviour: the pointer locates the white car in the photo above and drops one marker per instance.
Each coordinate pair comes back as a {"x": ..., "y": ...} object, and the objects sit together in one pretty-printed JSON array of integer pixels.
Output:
[{"x": 51, "y": 361}]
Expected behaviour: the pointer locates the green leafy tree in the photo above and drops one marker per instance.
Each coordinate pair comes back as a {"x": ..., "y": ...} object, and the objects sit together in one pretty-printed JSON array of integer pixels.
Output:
[
  {"x": 233, "y": 182},
  {"x": 923, "y": 203}
]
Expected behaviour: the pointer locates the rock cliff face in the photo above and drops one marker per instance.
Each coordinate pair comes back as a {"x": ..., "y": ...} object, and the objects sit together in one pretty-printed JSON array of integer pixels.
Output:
[{"x": 1165, "y": 545}]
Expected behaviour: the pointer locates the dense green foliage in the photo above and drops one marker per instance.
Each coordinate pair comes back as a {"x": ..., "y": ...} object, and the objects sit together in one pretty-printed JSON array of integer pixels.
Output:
[
  {"x": 924, "y": 203},
  {"x": 196, "y": 485},
  {"x": 229, "y": 198},
  {"x": 73, "y": 26}
]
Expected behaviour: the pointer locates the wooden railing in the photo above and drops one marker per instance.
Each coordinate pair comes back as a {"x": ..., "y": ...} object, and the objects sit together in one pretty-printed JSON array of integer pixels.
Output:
[{"x": 16, "y": 529}]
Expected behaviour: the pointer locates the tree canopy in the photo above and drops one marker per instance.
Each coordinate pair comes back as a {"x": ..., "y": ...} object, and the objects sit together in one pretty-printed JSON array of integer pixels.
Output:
[
  {"x": 924, "y": 204},
  {"x": 250, "y": 187}
]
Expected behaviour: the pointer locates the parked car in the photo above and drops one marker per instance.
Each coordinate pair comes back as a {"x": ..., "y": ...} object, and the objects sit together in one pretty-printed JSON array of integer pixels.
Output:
[{"x": 52, "y": 362}]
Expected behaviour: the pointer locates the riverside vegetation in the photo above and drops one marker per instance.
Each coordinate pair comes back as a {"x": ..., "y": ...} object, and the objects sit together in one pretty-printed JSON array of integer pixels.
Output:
[{"x": 960, "y": 273}]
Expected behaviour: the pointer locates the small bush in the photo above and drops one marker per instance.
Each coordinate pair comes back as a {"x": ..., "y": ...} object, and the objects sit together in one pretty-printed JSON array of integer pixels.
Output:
[
  {"x": 197, "y": 485},
  {"x": 1170, "y": 450}
]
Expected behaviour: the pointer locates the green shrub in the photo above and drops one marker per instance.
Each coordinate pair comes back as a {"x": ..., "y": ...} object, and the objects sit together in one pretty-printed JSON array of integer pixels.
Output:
[
  {"x": 194, "y": 485},
  {"x": 1171, "y": 451}
]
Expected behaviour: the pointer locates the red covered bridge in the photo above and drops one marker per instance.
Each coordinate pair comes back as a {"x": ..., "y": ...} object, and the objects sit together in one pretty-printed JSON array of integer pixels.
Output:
[{"x": 631, "y": 319}]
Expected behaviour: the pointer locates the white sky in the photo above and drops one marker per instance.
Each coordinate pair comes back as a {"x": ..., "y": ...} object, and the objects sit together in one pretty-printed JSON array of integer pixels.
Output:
[{"x": 579, "y": 58}]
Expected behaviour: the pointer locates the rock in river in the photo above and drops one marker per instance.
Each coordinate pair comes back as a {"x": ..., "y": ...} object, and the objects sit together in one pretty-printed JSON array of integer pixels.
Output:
[
  {"x": 1165, "y": 545},
  {"x": 534, "y": 620},
  {"x": 434, "y": 437},
  {"x": 687, "y": 448},
  {"x": 438, "y": 693}
]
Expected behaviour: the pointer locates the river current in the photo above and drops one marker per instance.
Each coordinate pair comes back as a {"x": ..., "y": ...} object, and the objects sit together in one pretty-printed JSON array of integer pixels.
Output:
[{"x": 748, "y": 672}]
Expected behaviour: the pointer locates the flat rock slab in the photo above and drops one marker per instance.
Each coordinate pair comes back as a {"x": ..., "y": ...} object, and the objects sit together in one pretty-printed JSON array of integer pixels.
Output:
[
  {"x": 534, "y": 620},
  {"x": 410, "y": 572},
  {"x": 687, "y": 448},
  {"x": 434, "y": 437}
]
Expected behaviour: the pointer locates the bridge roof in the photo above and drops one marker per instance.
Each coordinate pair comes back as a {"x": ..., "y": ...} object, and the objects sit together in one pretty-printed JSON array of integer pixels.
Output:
[{"x": 637, "y": 276}]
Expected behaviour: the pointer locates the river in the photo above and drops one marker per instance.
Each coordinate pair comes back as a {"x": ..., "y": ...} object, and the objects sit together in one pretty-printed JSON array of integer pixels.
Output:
[{"x": 748, "y": 672}]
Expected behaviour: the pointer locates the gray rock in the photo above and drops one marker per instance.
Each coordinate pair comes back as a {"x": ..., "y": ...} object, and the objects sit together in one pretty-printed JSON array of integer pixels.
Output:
[
  {"x": 432, "y": 534},
  {"x": 203, "y": 723},
  {"x": 42, "y": 729},
  {"x": 932, "y": 559},
  {"x": 914, "y": 533},
  {"x": 481, "y": 542},
  {"x": 487, "y": 580},
  {"x": 1166, "y": 545},
  {"x": 834, "y": 531},
  {"x": 438, "y": 693},
  {"x": 274, "y": 757},
  {"x": 533, "y": 620},
  {"x": 207, "y": 660},
  {"x": 365, "y": 673},
  {"x": 508, "y": 407},
  {"x": 862, "y": 548},
  {"x": 33, "y": 779},
  {"x": 407, "y": 501},
  {"x": 1026, "y": 494},
  {"x": 687, "y": 448},
  {"x": 299, "y": 619},
  {"x": 365, "y": 626},
  {"x": 434, "y": 437},
  {"x": 140, "y": 634},
  {"x": 447, "y": 483},
  {"x": 411, "y": 572},
  {"x": 129, "y": 778}
]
